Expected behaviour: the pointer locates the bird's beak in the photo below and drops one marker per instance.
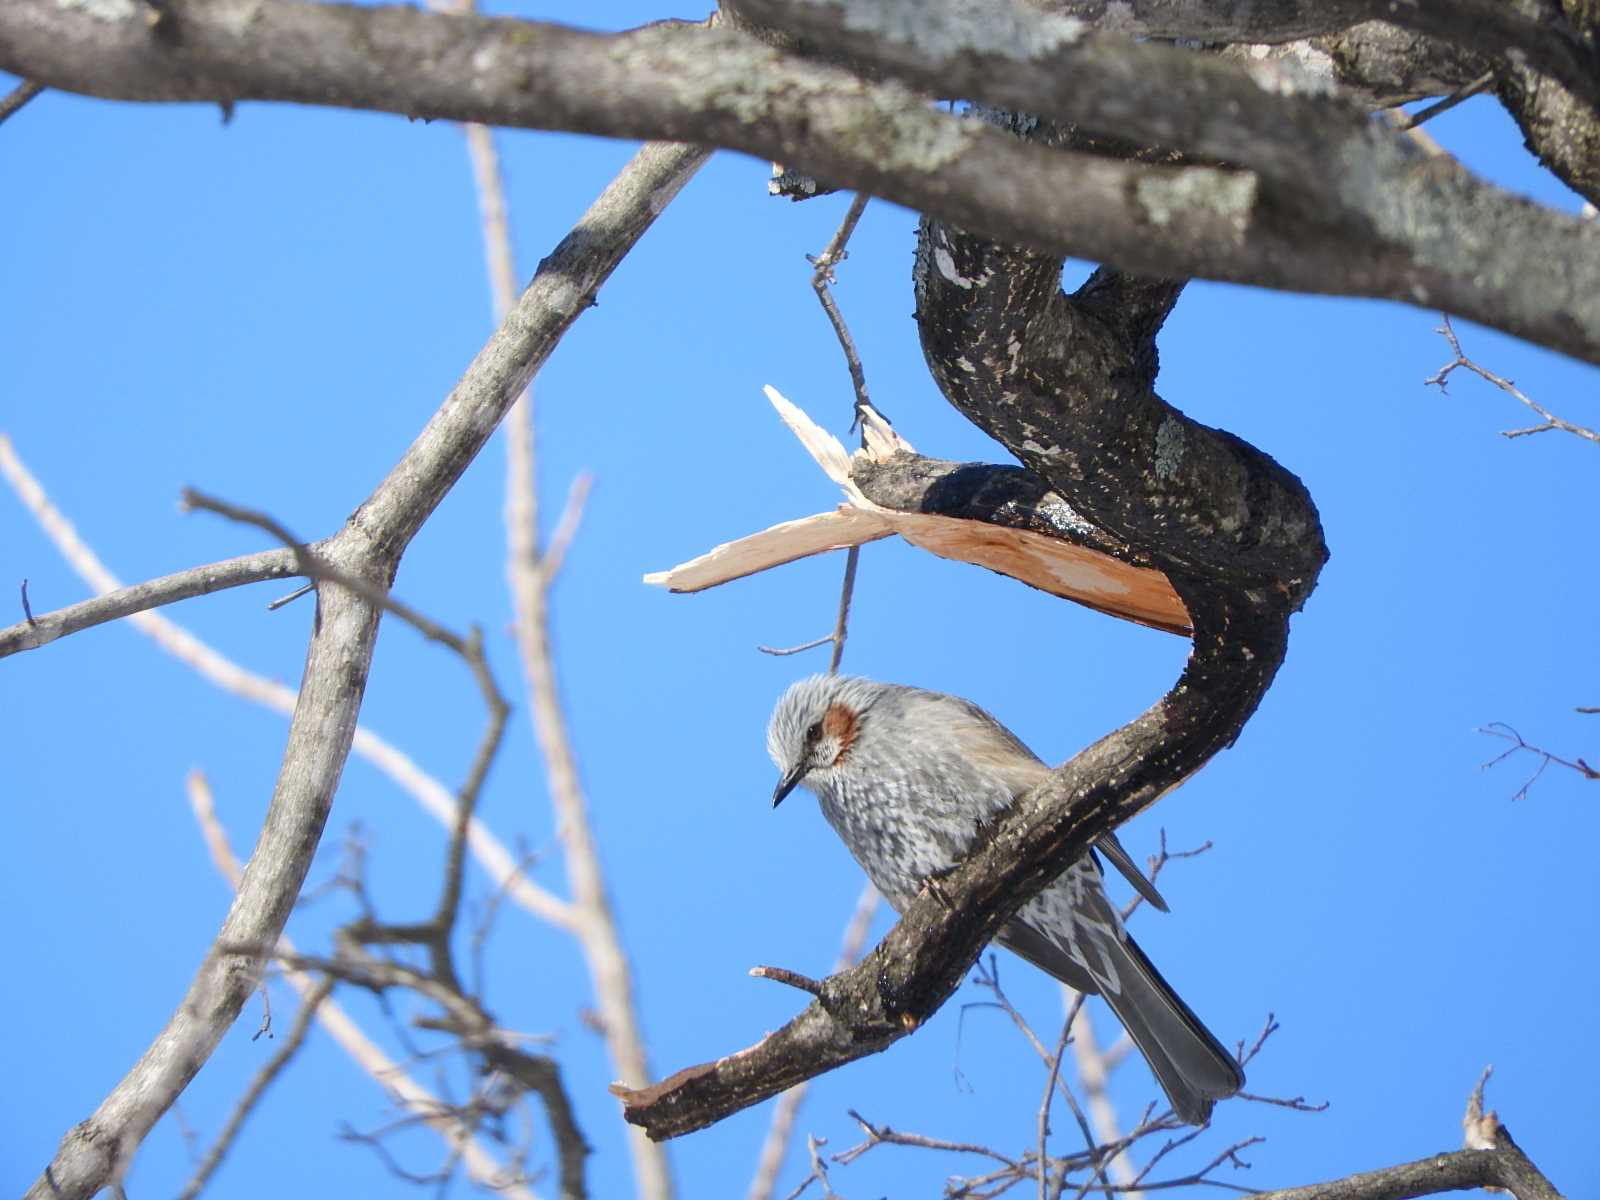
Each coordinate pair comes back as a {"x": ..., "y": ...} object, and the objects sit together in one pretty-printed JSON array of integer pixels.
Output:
[{"x": 787, "y": 784}]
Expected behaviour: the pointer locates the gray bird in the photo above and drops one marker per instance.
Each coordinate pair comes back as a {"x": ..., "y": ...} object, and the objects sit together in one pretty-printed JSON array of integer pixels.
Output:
[{"x": 908, "y": 778}]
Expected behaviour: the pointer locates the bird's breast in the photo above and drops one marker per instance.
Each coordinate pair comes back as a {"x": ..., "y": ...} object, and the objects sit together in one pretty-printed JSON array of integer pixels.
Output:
[{"x": 905, "y": 824}]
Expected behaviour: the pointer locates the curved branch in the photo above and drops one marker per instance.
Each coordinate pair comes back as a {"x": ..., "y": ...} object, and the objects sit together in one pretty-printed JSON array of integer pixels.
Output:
[
  {"x": 1067, "y": 393},
  {"x": 1065, "y": 383},
  {"x": 1381, "y": 227}
]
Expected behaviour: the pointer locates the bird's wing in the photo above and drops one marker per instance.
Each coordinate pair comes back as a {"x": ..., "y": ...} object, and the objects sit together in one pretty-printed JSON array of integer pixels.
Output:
[
  {"x": 1123, "y": 862},
  {"x": 989, "y": 745}
]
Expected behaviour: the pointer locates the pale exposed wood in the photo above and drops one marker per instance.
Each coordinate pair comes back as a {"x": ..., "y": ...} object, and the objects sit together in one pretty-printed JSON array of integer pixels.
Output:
[{"x": 1054, "y": 565}]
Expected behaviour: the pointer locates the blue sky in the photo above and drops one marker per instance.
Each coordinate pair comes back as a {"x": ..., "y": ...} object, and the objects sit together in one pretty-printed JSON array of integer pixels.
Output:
[{"x": 270, "y": 309}]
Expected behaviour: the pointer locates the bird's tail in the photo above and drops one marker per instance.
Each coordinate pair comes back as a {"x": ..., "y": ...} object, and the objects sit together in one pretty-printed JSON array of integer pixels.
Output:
[{"x": 1193, "y": 1068}]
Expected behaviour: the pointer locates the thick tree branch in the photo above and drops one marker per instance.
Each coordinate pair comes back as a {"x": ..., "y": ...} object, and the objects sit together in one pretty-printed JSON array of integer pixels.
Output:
[
  {"x": 1537, "y": 29},
  {"x": 1382, "y": 227},
  {"x": 1067, "y": 394}
]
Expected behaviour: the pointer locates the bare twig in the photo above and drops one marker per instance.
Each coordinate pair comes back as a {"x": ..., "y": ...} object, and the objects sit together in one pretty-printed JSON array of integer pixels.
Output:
[
  {"x": 1548, "y": 419},
  {"x": 486, "y": 920},
  {"x": 988, "y": 976},
  {"x": 1159, "y": 862},
  {"x": 785, "y": 651},
  {"x": 793, "y": 978},
  {"x": 1492, "y": 1160},
  {"x": 310, "y": 563},
  {"x": 882, "y": 1135},
  {"x": 1094, "y": 1068},
  {"x": 116, "y": 601},
  {"x": 819, "y": 1172},
  {"x": 781, "y": 1129},
  {"x": 269, "y": 1072},
  {"x": 366, "y": 1054},
  {"x": 821, "y": 280},
  {"x": 1044, "y": 1110},
  {"x": 1449, "y": 102},
  {"x": 96, "y": 1152},
  {"x": 657, "y": 170},
  {"x": 18, "y": 96},
  {"x": 1503, "y": 731}
]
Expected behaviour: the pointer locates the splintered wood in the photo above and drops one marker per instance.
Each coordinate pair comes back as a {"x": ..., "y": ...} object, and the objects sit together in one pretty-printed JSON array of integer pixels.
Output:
[{"x": 1062, "y": 566}]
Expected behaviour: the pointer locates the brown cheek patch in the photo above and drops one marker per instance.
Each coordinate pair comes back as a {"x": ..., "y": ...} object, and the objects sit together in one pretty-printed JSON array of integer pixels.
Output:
[{"x": 840, "y": 723}]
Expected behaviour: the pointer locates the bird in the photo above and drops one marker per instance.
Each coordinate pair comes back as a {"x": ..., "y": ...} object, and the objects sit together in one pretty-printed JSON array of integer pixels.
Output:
[{"x": 909, "y": 779}]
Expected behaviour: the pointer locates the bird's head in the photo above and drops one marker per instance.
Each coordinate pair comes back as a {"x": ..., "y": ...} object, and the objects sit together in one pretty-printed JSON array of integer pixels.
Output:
[{"x": 815, "y": 725}]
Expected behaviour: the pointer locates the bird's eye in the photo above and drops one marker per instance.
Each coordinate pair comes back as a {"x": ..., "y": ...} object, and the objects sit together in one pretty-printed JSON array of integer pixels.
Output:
[{"x": 815, "y": 732}]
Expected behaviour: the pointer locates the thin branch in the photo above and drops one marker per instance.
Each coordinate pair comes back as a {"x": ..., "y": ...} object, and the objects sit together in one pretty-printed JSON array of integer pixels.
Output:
[
  {"x": 18, "y": 96},
  {"x": 125, "y": 602},
  {"x": 264, "y": 1078},
  {"x": 221, "y": 671},
  {"x": 344, "y": 1030},
  {"x": 95, "y": 1153},
  {"x": 1094, "y": 1072},
  {"x": 819, "y": 1172},
  {"x": 655, "y": 173},
  {"x": 882, "y": 1135},
  {"x": 1445, "y": 105},
  {"x": 792, "y": 978},
  {"x": 1548, "y": 419},
  {"x": 310, "y": 563},
  {"x": 775, "y": 1146},
  {"x": 1500, "y": 729},
  {"x": 822, "y": 278},
  {"x": 1044, "y": 1110},
  {"x": 785, "y": 651},
  {"x": 555, "y": 551},
  {"x": 988, "y": 976}
]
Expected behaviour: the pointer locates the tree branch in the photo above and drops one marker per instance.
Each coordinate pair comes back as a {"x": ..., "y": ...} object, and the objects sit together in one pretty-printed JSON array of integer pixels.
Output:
[
  {"x": 1460, "y": 1171},
  {"x": 97, "y": 1151},
  {"x": 436, "y": 799},
  {"x": 411, "y": 1095},
  {"x": 182, "y": 585},
  {"x": 1364, "y": 220},
  {"x": 655, "y": 174}
]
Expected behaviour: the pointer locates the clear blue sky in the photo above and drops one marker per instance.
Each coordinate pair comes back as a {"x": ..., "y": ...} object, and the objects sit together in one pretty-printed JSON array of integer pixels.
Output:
[{"x": 270, "y": 309}]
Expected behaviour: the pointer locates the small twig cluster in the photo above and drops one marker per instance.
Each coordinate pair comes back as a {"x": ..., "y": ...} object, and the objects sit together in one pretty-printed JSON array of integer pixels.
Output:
[
  {"x": 1499, "y": 729},
  {"x": 1102, "y": 1165},
  {"x": 1547, "y": 419}
]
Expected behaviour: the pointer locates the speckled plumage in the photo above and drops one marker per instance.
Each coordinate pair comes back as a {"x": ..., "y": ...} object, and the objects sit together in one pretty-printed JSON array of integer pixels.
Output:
[{"x": 908, "y": 777}]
